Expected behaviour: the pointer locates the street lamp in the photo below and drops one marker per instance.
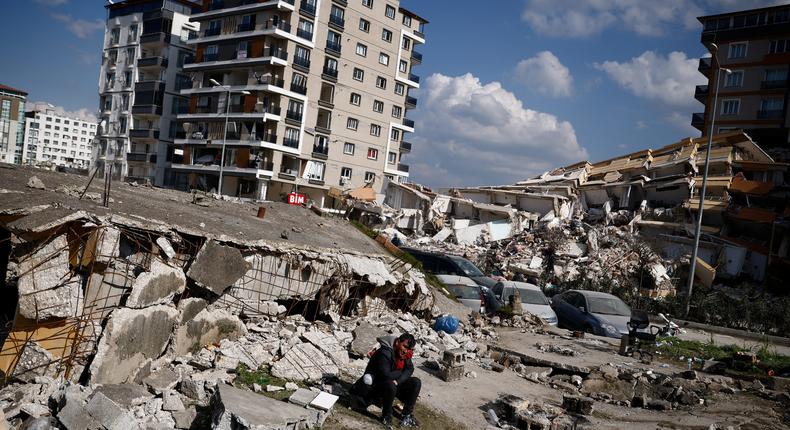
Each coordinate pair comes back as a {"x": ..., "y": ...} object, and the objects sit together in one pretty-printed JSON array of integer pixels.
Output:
[
  {"x": 225, "y": 132},
  {"x": 698, "y": 230}
]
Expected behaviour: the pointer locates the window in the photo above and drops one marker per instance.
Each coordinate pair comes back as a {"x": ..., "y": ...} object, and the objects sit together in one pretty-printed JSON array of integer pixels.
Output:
[
  {"x": 112, "y": 57},
  {"x": 122, "y": 125},
  {"x": 359, "y": 74},
  {"x": 406, "y": 43},
  {"x": 734, "y": 79},
  {"x": 356, "y": 99},
  {"x": 330, "y": 66},
  {"x": 737, "y": 50},
  {"x": 302, "y": 56},
  {"x": 348, "y": 148},
  {"x": 384, "y": 59},
  {"x": 778, "y": 46},
  {"x": 386, "y": 35},
  {"x": 407, "y": 20},
  {"x": 314, "y": 170},
  {"x": 352, "y": 123},
  {"x": 305, "y": 29},
  {"x": 373, "y": 154},
  {"x": 378, "y": 106},
  {"x": 211, "y": 53},
  {"x": 127, "y": 79},
  {"x": 375, "y": 130},
  {"x": 124, "y": 103},
  {"x": 400, "y": 89},
  {"x": 381, "y": 82},
  {"x": 403, "y": 66},
  {"x": 397, "y": 111},
  {"x": 730, "y": 107},
  {"x": 345, "y": 173},
  {"x": 776, "y": 75},
  {"x": 337, "y": 16},
  {"x": 130, "y": 55},
  {"x": 299, "y": 83},
  {"x": 367, "y": 3},
  {"x": 392, "y": 157},
  {"x": 333, "y": 41},
  {"x": 395, "y": 134},
  {"x": 132, "y": 34},
  {"x": 771, "y": 108},
  {"x": 390, "y": 12},
  {"x": 291, "y": 137},
  {"x": 364, "y": 25},
  {"x": 369, "y": 177},
  {"x": 362, "y": 50},
  {"x": 115, "y": 35},
  {"x": 214, "y": 28}
]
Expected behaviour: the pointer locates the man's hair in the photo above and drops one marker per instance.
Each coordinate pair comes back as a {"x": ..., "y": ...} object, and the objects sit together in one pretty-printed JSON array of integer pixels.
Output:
[{"x": 409, "y": 339}]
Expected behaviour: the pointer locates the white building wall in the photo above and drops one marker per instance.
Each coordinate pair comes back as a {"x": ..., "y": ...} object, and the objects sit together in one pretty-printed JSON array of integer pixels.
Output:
[{"x": 61, "y": 140}]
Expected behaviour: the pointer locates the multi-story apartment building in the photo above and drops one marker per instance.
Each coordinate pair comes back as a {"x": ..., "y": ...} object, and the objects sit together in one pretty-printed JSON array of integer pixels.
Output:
[
  {"x": 61, "y": 140},
  {"x": 755, "y": 46},
  {"x": 12, "y": 124},
  {"x": 314, "y": 93},
  {"x": 145, "y": 45}
]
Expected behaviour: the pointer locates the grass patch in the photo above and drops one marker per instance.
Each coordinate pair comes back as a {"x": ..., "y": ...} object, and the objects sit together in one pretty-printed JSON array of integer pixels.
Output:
[
  {"x": 347, "y": 419},
  {"x": 364, "y": 229},
  {"x": 674, "y": 349},
  {"x": 247, "y": 377}
]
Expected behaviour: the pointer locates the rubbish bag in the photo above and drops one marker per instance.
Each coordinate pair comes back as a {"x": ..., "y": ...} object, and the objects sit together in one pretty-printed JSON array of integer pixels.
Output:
[{"x": 446, "y": 323}]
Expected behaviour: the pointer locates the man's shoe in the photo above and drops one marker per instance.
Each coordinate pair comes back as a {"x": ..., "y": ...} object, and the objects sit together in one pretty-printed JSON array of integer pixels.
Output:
[
  {"x": 409, "y": 420},
  {"x": 386, "y": 422}
]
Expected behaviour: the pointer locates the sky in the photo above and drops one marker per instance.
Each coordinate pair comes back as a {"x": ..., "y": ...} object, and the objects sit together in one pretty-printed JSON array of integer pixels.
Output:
[{"x": 509, "y": 88}]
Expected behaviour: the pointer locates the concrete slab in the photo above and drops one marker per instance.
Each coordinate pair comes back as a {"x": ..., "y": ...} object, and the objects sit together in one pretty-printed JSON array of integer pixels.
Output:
[
  {"x": 208, "y": 326},
  {"x": 157, "y": 286},
  {"x": 240, "y": 409},
  {"x": 365, "y": 336},
  {"x": 303, "y": 397},
  {"x": 109, "y": 414},
  {"x": 125, "y": 395},
  {"x": 324, "y": 401},
  {"x": 216, "y": 267},
  {"x": 304, "y": 362}
]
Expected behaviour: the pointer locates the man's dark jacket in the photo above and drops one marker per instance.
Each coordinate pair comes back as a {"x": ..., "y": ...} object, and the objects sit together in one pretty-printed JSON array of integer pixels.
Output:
[{"x": 382, "y": 364}]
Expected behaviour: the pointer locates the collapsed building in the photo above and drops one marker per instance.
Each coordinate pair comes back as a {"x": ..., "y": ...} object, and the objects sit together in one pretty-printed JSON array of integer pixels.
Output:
[{"x": 655, "y": 193}]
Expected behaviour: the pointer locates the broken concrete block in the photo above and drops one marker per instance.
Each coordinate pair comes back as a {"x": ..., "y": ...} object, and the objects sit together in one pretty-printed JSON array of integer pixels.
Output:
[
  {"x": 365, "y": 336},
  {"x": 324, "y": 401},
  {"x": 158, "y": 286},
  {"x": 302, "y": 397},
  {"x": 33, "y": 361},
  {"x": 329, "y": 345},
  {"x": 185, "y": 418},
  {"x": 162, "y": 380},
  {"x": 274, "y": 388},
  {"x": 36, "y": 183},
  {"x": 304, "y": 362},
  {"x": 125, "y": 395},
  {"x": 233, "y": 408},
  {"x": 190, "y": 307},
  {"x": 253, "y": 355},
  {"x": 75, "y": 416},
  {"x": 108, "y": 245},
  {"x": 171, "y": 401},
  {"x": 166, "y": 247},
  {"x": 578, "y": 404},
  {"x": 35, "y": 410},
  {"x": 47, "y": 287},
  {"x": 131, "y": 337},
  {"x": 109, "y": 414},
  {"x": 192, "y": 389},
  {"x": 216, "y": 267},
  {"x": 208, "y": 326},
  {"x": 290, "y": 386}
]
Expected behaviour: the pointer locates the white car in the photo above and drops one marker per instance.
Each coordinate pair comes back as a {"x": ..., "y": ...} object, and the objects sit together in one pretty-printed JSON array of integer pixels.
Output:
[
  {"x": 465, "y": 290},
  {"x": 532, "y": 299}
]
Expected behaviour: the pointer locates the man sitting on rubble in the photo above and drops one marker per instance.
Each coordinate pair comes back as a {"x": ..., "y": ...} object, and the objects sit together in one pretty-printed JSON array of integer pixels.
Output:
[{"x": 387, "y": 376}]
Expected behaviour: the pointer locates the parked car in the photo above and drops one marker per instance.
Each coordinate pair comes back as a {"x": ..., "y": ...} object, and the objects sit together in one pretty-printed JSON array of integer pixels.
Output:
[
  {"x": 466, "y": 291},
  {"x": 593, "y": 312},
  {"x": 532, "y": 299}
]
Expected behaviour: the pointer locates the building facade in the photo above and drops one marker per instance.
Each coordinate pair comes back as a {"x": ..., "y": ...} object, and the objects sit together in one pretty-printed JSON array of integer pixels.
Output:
[
  {"x": 58, "y": 139},
  {"x": 12, "y": 124},
  {"x": 314, "y": 94},
  {"x": 145, "y": 46},
  {"x": 755, "y": 46}
]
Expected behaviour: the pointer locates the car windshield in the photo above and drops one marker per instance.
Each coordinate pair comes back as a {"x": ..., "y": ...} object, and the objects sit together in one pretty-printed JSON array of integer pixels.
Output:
[
  {"x": 465, "y": 291},
  {"x": 468, "y": 268},
  {"x": 608, "y": 306},
  {"x": 528, "y": 297}
]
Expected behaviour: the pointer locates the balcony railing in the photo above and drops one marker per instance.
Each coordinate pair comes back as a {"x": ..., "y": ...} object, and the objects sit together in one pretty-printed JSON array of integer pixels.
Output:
[
  {"x": 211, "y": 32},
  {"x": 701, "y": 93},
  {"x": 330, "y": 72},
  {"x": 414, "y": 78},
  {"x": 301, "y": 61},
  {"x": 152, "y": 61},
  {"x": 337, "y": 21},
  {"x": 144, "y": 133},
  {"x": 293, "y": 115},
  {"x": 770, "y": 114},
  {"x": 155, "y": 37},
  {"x": 416, "y": 57},
  {"x": 333, "y": 46},
  {"x": 282, "y": 25},
  {"x": 276, "y": 52},
  {"x": 291, "y": 143},
  {"x": 704, "y": 64},
  {"x": 403, "y": 167},
  {"x": 304, "y": 34},
  {"x": 210, "y": 57},
  {"x": 408, "y": 122},
  {"x": 698, "y": 120},
  {"x": 411, "y": 101},
  {"x": 773, "y": 84},
  {"x": 321, "y": 151},
  {"x": 405, "y": 146},
  {"x": 307, "y": 8},
  {"x": 301, "y": 89},
  {"x": 147, "y": 109}
]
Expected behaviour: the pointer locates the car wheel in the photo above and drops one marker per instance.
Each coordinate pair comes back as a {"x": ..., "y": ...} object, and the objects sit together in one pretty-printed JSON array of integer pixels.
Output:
[{"x": 589, "y": 329}]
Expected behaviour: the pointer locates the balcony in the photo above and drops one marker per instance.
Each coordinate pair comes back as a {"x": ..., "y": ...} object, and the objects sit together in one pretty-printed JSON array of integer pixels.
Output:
[
  {"x": 770, "y": 114},
  {"x": 282, "y": 25},
  {"x": 291, "y": 143},
  {"x": 304, "y": 34},
  {"x": 337, "y": 22},
  {"x": 704, "y": 65},
  {"x": 307, "y": 9},
  {"x": 152, "y": 62},
  {"x": 144, "y": 133},
  {"x": 701, "y": 93},
  {"x": 405, "y": 146},
  {"x": 209, "y": 32},
  {"x": 249, "y": 26},
  {"x": 321, "y": 151},
  {"x": 149, "y": 109},
  {"x": 333, "y": 47},
  {"x": 149, "y": 85},
  {"x": 330, "y": 74},
  {"x": 411, "y": 102},
  {"x": 403, "y": 167},
  {"x": 774, "y": 84},
  {"x": 301, "y": 89},
  {"x": 698, "y": 120},
  {"x": 302, "y": 62},
  {"x": 416, "y": 57},
  {"x": 159, "y": 37},
  {"x": 214, "y": 61},
  {"x": 216, "y": 9},
  {"x": 293, "y": 116},
  {"x": 414, "y": 78},
  {"x": 408, "y": 122},
  {"x": 138, "y": 156}
]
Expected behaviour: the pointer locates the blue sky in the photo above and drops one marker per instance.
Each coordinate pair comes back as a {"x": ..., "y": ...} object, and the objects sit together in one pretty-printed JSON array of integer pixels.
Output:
[{"x": 508, "y": 91}]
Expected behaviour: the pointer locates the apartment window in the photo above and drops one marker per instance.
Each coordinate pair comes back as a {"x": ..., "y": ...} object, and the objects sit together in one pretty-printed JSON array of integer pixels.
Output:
[
  {"x": 390, "y": 12},
  {"x": 730, "y": 107},
  {"x": 364, "y": 25},
  {"x": 299, "y": 83},
  {"x": 392, "y": 157},
  {"x": 106, "y": 102},
  {"x": 403, "y": 66},
  {"x": 776, "y": 75},
  {"x": 367, "y": 3},
  {"x": 406, "y": 44},
  {"x": 122, "y": 125},
  {"x": 378, "y": 106},
  {"x": 355, "y": 99},
  {"x": 384, "y": 59},
  {"x": 130, "y": 55},
  {"x": 305, "y": 29},
  {"x": 295, "y": 108},
  {"x": 778, "y": 46},
  {"x": 352, "y": 123},
  {"x": 330, "y": 66},
  {"x": 112, "y": 57},
  {"x": 127, "y": 79},
  {"x": 734, "y": 79},
  {"x": 211, "y": 53},
  {"x": 348, "y": 148},
  {"x": 375, "y": 130},
  {"x": 315, "y": 170},
  {"x": 373, "y": 154},
  {"x": 381, "y": 82},
  {"x": 333, "y": 41},
  {"x": 386, "y": 35},
  {"x": 395, "y": 134},
  {"x": 407, "y": 20},
  {"x": 115, "y": 35},
  {"x": 359, "y": 74},
  {"x": 397, "y": 111},
  {"x": 132, "y": 34},
  {"x": 302, "y": 55},
  {"x": 369, "y": 177},
  {"x": 214, "y": 27},
  {"x": 109, "y": 80},
  {"x": 362, "y": 50},
  {"x": 337, "y": 15},
  {"x": 400, "y": 89},
  {"x": 737, "y": 50},
  {"x": 773, "y": 104},
  {"x": 291, "y": 137},
  {"x": 124, "y": 103}
]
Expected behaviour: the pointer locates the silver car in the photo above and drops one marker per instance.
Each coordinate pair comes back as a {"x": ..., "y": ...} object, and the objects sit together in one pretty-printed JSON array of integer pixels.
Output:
[
  {"x": 532, "y": 299},
  {"x": 465, "y": 290}
]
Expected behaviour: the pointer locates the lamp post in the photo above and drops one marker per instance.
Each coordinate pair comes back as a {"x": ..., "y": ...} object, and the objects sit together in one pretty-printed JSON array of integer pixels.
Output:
[
  {"x": 698, "y": 229},
  {"x": 225, "y": 131}
]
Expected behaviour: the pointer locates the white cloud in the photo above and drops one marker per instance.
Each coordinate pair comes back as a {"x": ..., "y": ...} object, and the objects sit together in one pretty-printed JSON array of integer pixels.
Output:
[
  {"x": 669, "y": 79},
  {"x": 84, "y": 114},
  {"x": 544, "y": 73},
  {"x": 682, "y": 122},
  {"x": 80, "y": 27},
  {"x": 469, "y": 133}
]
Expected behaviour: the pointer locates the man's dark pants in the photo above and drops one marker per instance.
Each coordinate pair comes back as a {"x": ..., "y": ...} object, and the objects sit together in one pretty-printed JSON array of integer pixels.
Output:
[{"x": 387, "y": 391}]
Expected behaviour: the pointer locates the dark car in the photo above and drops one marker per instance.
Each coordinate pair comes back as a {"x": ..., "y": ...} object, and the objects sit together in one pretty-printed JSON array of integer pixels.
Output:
[
  {"x": 593, "y": 312},
  {"x": 441, "y": 264}
]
